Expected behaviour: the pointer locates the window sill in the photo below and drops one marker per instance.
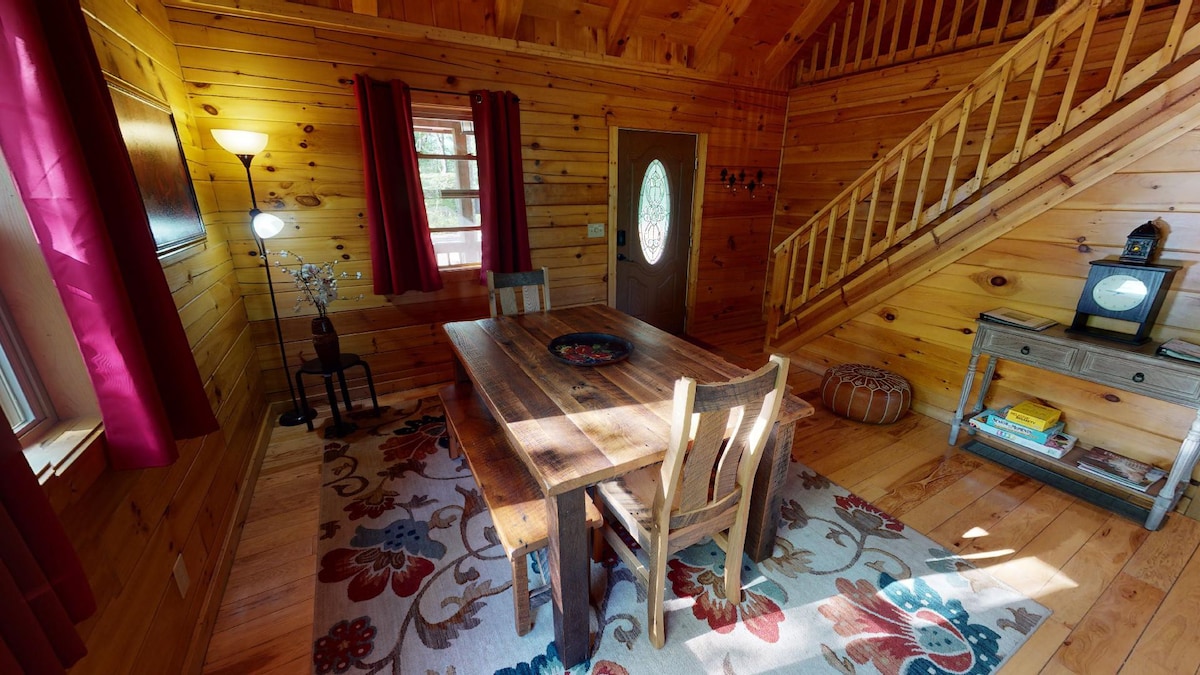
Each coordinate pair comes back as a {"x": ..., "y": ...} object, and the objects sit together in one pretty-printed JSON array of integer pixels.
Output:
[{"x": 68, "y": 459}]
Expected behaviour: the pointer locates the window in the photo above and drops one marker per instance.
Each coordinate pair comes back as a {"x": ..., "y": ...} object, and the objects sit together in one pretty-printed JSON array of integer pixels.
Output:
[
  {"x": 445, "y": 140},
  {"x": 654, "y": 212},
  {"x": 21, "y": 396},
  {"x": 44, "y": 386}
]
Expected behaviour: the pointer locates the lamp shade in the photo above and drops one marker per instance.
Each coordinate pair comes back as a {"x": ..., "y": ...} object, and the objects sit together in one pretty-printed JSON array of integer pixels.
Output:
[
  {"x": 266, "y": 225},
  {"x": 240, "y": 142}
]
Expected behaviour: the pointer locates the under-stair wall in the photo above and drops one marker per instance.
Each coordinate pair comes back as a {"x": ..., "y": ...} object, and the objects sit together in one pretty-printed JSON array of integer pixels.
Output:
[{"x": 925, "y": 331}]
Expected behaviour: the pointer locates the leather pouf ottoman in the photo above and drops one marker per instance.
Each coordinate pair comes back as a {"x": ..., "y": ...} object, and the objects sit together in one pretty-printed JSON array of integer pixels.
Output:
[{"x": 865, "y": 393}]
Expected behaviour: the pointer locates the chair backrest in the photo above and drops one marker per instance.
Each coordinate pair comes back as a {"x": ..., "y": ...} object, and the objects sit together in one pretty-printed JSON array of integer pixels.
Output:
[
  {"x": 502, "y": 286},
  {"x": 718, "y": 432}
]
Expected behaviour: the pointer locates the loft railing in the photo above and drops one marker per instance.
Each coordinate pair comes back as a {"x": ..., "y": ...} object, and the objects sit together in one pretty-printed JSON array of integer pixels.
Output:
[
  {"x": 1005, "y": 116},
  {"x": 874, "y": 33}
]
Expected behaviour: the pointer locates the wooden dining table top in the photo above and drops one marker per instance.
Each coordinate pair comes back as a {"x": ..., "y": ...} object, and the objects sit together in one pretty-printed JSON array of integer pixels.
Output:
[{"x": 578, "y": 425}]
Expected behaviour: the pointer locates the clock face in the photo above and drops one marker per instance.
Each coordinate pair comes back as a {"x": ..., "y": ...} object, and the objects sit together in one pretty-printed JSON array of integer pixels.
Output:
[{"x": 1119, "y": 292}]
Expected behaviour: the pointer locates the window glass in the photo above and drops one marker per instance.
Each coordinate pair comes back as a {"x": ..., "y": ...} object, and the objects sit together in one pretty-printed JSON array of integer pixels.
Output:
[
  {"x": 20, "y": 391},
  {"x": 654, "y": 212},
  {"x": 450, "y": 181}
]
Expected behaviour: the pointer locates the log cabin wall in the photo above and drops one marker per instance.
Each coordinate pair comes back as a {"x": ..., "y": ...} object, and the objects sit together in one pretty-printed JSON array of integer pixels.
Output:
[
  {"x": 130, "y": 527},
  {"x": 837, "y": 129},
  {"x": 294, "y": 81}
]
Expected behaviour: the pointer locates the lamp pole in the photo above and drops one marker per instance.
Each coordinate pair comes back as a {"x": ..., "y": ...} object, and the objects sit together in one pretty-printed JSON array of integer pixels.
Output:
[{"x": 245, "y": 145}]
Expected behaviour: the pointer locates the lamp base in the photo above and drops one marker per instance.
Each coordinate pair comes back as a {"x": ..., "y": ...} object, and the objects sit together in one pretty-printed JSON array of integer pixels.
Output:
[{"x": 296, "y": 417}]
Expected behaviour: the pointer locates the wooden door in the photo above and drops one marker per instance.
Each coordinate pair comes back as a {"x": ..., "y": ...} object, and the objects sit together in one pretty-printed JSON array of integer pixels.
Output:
[{"x": 655, "y": 177}]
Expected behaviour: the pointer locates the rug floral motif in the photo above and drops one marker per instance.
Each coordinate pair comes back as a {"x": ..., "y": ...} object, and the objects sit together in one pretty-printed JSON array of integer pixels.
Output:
[{"x": 412, "y": 579}]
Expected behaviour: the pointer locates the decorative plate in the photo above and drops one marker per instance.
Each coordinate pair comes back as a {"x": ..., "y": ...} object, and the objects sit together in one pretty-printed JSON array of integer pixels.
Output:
[{"x": 590, "y": 349}]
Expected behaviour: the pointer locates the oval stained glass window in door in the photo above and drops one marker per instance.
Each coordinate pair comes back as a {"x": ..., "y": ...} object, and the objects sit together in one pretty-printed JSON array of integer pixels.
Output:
[{"x": 654, "y": 212}]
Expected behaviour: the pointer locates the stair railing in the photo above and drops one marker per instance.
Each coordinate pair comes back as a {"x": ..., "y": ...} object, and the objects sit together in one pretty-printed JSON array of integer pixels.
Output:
[{"x": 1000, "y": 119}]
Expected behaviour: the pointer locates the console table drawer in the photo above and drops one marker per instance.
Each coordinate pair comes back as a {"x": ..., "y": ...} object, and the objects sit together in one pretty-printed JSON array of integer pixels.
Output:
[
  {"x": 1030, "y": 349},
  {"x": 1140, "y": 377}
]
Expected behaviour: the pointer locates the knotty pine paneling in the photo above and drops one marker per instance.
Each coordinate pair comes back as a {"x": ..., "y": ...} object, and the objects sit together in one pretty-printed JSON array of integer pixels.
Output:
[
  {"x": 296, "y": 85},
  {"x": 130, "y": 526},
  {"x": 925, "y": 331}
]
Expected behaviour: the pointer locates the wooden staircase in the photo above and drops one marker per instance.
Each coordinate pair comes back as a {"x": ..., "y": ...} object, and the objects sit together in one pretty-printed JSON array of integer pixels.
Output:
[{"x": 1084, "y": 94}]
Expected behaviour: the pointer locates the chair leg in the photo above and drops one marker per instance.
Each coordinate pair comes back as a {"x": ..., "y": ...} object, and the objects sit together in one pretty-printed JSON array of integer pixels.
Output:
[
  {"x": 656, "y": 592},
  {"x": 733, "y": 561},
  {"x": 520, "y": 589}
]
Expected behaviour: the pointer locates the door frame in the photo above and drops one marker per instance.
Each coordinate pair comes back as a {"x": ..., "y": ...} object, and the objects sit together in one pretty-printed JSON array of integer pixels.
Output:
[{"x": 693, "y": 264}]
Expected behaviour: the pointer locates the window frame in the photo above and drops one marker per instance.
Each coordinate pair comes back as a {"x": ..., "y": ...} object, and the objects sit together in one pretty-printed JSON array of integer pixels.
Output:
[{"x": 22, "y": 375}]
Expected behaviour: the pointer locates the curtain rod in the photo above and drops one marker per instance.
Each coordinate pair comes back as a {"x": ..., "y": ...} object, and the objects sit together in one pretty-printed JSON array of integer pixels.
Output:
[{"x": 439, "y": 91}]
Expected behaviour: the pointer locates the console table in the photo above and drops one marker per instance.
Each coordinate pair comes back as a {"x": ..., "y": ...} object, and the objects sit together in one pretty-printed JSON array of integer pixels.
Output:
[{"x": 1130, "y": 368}]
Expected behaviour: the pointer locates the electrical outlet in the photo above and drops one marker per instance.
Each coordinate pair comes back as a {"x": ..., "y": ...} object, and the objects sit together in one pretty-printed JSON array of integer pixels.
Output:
[
  {"x": 595, "y": 230},
  {"x": 181, "y": 576}
]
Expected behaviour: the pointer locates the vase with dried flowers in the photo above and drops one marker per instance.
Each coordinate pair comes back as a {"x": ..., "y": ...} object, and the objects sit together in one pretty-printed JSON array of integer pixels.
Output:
[{"x": 318, "y": 285}]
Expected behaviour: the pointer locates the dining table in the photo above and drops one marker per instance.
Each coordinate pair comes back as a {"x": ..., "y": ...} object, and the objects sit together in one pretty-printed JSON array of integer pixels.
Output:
[{"x": 575, "y": 426}]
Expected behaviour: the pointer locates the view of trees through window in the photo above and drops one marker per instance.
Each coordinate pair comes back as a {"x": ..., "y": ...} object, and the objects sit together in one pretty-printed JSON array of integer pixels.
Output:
[
  {"x": 450, "y": 180},
  {"x": 19, "y": 388}
]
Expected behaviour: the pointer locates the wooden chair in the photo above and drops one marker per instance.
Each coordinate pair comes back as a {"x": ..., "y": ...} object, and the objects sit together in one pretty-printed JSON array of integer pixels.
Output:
[
  {"x": 502, "y": 287},
  {"x": 702, "y": 488}
]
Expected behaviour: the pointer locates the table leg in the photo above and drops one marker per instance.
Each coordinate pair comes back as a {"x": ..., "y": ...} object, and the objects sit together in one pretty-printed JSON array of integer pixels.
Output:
[
  {"x": 963, "y": 396},
  {"x": 371, "y": 386},
  {"x": 569, "y": 572},
  {"x": 308, "y": 416},
  {"x": 1181, "y": 473},
  {"x": 345, "y": 390},
  {"x": 768, "y": 492},
  {"x": 338, "y": 428}
]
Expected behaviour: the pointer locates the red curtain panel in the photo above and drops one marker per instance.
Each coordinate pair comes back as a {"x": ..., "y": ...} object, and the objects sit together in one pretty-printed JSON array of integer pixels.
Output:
[
  {"x": 43, "y": 590},
  {"x": 60, "y": 136},
  {"x": 402, "y": 257},
  {"x": 505, "y": 230}
]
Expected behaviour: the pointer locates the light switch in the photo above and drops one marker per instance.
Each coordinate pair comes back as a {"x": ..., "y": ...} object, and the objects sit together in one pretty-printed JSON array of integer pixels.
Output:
[{"x": 595, "y": 230}]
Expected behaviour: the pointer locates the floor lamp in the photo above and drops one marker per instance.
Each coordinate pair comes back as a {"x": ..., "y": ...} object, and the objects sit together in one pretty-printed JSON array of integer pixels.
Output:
[{"x": 247, "y": 144}]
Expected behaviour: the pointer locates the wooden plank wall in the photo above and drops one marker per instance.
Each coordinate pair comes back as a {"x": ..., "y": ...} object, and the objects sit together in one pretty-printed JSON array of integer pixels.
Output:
[
  {"x": 294, "y": 82},
  {"x": 130, "y": 526},
  {"x": 925, "y": 332}
]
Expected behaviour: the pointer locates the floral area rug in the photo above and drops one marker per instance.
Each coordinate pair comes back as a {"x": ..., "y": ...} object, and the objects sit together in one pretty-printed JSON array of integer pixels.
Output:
[{"x": 412, "y": 579}]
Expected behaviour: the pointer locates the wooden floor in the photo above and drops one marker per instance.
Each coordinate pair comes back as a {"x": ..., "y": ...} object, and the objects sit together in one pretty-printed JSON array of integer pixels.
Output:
[{"x": 1124, "y": 599}]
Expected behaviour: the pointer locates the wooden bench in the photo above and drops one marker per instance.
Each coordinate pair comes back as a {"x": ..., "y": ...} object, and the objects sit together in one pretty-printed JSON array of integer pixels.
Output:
[{"x": 516, "y": 502}]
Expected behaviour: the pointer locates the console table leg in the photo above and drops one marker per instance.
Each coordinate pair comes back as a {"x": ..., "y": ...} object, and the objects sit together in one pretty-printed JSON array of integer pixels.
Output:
[
  {"x": 962, "y": 397},
  {"x": 1181, "y": 472}
]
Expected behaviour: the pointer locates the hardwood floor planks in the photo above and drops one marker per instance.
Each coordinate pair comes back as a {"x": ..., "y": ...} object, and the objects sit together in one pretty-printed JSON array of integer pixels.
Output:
[
  {"x": 1169, "y": 643},
  {"x": 1103, "y": 639},
  {"x": 1083, "y": 579},
  {"x": 1123, "y": 597}
]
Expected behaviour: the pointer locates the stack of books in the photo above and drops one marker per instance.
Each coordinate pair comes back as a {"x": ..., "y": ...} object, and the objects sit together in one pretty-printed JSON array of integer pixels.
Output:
[
  {"x": 1120, "y": 469},
  {"x": 1029, "y": 425}
]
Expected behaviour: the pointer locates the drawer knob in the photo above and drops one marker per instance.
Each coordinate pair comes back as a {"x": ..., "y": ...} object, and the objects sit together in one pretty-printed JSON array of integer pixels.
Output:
[
  {"x": 1025, "y": 350},
  {"x": 1139, "y": 377}
]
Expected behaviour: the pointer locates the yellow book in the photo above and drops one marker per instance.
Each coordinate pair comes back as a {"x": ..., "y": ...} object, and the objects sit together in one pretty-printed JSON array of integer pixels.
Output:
[{"x": 1033, "y": 415}]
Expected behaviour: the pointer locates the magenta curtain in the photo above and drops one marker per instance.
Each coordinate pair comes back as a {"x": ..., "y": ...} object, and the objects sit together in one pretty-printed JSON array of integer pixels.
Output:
[
  {"x": 43, "y": 590},
  {"x": 505, "y": 229},
  {"x": 402, "y": 257},
  {"x": 60, "y": 136}
]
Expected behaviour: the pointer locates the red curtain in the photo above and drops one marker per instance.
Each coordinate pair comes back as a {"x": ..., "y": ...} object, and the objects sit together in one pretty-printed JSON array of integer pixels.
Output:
[
  {"x": 402, "y": 257},
  {"x": 60, "y": 136},
  {"x": 505, "y": 230},
  {"x": 43, "y": 590}
]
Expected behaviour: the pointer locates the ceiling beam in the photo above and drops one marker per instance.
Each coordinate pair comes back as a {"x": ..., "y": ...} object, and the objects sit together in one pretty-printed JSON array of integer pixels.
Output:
[
  {"x": 719, "y": 28},
  {"x": 619, "y": 22},
  {"x": 809, "y": 20},
  {"x": 508, "y": 16}
]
